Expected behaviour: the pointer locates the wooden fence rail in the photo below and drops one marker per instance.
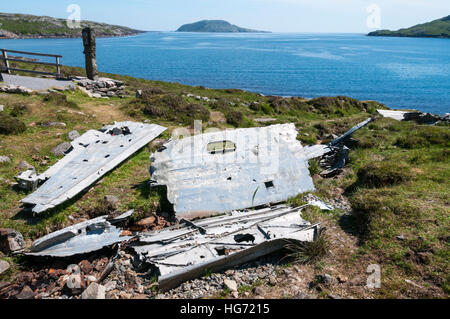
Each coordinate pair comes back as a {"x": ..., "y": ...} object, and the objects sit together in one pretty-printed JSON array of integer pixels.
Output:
[{"x": 4, "y": 57}]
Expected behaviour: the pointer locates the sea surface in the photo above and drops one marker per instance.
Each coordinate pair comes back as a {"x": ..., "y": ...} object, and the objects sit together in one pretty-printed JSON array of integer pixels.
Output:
[{"x": 400, "y": 72}]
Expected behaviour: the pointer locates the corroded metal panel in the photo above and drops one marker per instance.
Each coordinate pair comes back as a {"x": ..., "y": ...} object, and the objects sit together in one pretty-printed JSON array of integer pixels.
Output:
[{"x": 94, "y": 154}]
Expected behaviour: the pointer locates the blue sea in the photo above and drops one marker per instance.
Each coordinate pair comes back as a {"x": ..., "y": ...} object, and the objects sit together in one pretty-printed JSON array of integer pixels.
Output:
[{"x": 400, "y": 72}]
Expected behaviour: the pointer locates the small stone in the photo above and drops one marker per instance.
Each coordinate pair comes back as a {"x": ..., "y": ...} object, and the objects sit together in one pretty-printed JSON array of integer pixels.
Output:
[
  {"x": 11, "y": 241},
  {"x": 235, "y": 294},
  {"x": 110, "y": 285},
  {"x": 24, "y": 165},
  {"x": 149, "y": 221},
  {"x": 52, "y": 124},
  {"x": 1, "y": 108},
  {"x": 73, "y": 135},
  {"x": 342, "y": 279},
  {"x": 324, "y": 279},
  {"x": 86, "y": 267},
  {"x": 94, "y": 291},
  {"x": 334, "y": 296},
  {"x": 259, "y": 291},
  {"x": 4, "y": 266},
  {"x": 61, "y": 149},
  {"x": 302, "y": 295},
  {"x": 124, "y": 295},
  {"x": 113, "y": 201},
  {"x": 272, "y": 280},
  {"x": 4, "y": 159},
  {"x": 26, "y": 293},
  {"x": 138, "y": 93},
  {"x": 230, "y": 284},
  {"x": 229, "y": 272}
]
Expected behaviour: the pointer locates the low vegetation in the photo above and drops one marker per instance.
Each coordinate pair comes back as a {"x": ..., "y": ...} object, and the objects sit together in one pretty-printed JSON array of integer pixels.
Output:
[
  {"x": 11, "y": 125},
  {"x": 309, "y": 252},
  {"x": 397, "y": 179},
  {"x": 439, "y": 28},
  {"x": 24, "y": 25}
]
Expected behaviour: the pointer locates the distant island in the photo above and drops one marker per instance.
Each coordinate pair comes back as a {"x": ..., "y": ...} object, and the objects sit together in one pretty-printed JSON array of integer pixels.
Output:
[
  {"x": 214, "y": 26},
  {"x": 25, "y": 26},
  {"x": 435, "y": 29}
]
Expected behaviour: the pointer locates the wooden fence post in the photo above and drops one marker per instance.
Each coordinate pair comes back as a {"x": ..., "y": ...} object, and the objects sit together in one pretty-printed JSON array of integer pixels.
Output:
[
  {"x": 5, "y": 57},
  {"x": 90, "y": 53},
  {"x": 58, "y": 67}
]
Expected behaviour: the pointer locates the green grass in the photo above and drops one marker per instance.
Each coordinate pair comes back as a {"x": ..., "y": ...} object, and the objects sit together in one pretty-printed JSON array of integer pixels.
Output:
[
  {"x": 309, "y": 252},
  {"x": 396, "y": 179}
]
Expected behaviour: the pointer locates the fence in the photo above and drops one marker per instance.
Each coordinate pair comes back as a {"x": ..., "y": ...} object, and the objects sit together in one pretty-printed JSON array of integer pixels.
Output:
[{"x": 4, "y": 57}]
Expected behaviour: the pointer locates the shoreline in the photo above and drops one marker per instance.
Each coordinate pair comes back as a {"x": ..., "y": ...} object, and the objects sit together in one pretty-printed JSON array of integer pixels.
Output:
[{"x": 71, "y": 37}]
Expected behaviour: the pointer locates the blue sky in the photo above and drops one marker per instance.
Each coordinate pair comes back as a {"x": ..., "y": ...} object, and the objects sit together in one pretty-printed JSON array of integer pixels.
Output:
[{"x": 272, "y": 15}]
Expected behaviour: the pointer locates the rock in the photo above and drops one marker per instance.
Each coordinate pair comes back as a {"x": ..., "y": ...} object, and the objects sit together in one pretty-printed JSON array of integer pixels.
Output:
[
  {"x": 112, "y": 201},
  {"x": 230, "y": 284},
  {"x": 4, "y": 159},
  {"x": 124, "y": 295},
  {"x": 301, "y": 295},
  {"x": 4, "y": 266},
  {"x": 334, "y": 296},
  {"x": 61, "y": 149},
  {"x": 342, "y": 279},
  {"x": 26, "y": 293},
  {"x": 94, "y": 291},
  {"x": 146, "y": 222},
  {"x": 110, "y": 285},
  {"x": 53, "y": 124},
  {"x": 324, "y": 279},
  {"x": 1, "y": 108},
  {"x": 138, "y": 93},
  {"x": 259, "y": 291},
  {"x": 11, "y": 241},
  {"x": 24, "y": 165},
  {"x": 86, "y": 267},
  {"x": 401, "y": 237},
  {"x": 235, "y": 294},
  {"x": 272, "y": 280},
  {"x": 73, "y": 135}
]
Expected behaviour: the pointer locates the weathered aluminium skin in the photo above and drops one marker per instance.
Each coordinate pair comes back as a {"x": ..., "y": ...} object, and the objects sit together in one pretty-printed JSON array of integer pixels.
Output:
[
  {"x": 82, "y": 238},
  {"x": 262, "y": 165},
  {"x": 94, "y": 154},
  {"x": 253, "y": 167},
  {"x": 223, "y": 242}
]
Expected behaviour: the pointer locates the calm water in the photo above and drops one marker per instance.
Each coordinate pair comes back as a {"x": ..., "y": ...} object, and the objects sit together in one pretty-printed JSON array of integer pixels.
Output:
[{"x": 400, "y": 72}]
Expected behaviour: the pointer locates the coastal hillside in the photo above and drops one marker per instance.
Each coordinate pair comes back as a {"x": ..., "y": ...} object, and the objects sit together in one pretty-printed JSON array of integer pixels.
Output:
[
  {"x": 14, "y": 26},
  {"x": 390, "y": 201},
  {"x": 435, "y": 29},
  {"x": 213, "y": 26}
]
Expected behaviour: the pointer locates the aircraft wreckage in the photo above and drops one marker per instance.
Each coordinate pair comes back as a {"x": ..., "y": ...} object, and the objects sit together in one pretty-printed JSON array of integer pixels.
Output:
[
  {"x": 219, "y": 172},
  {"x": 92, "y": 155},
  {"x": 241, "y": 174}
]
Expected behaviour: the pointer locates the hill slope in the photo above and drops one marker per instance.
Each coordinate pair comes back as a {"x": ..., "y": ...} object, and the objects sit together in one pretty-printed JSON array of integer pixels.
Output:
[
  {"x": 213, "y": 26},
  {"x": 29, "y": 26},
  {"x": 435, "y": 29}
]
